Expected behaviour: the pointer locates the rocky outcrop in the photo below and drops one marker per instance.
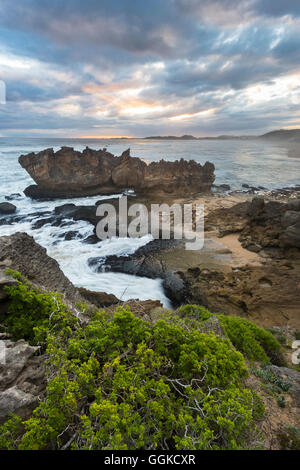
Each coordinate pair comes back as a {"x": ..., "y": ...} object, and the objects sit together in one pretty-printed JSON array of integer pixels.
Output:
[
  {"x": 20, "y": 252},
  {"x": 271, "y": 226},
  {"x": 69, "y": 173},
  {"x": 268, "y": 295},
  {"x": 22, "y": 378}
]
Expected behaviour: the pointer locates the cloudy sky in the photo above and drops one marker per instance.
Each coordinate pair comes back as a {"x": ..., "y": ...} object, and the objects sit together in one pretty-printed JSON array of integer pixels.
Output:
[{"x": 149, "y": 67}]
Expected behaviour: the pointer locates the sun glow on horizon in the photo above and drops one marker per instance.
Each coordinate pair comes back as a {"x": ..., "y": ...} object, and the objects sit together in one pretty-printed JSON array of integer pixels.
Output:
[{"x": 105, "y": 137}]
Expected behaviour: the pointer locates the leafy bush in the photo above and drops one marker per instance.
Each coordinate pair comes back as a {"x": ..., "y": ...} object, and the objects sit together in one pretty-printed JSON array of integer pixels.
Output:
[
  {"x": 123, "y": 383},
  {"x": 29, "y": 308},
  {"x": 254, "y": 342}
]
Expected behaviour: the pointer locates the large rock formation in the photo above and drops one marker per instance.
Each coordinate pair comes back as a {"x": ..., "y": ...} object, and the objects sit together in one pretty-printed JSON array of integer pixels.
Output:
[
  {"x": 20, "y": 252},
  {"x": 70, "y": 173}
]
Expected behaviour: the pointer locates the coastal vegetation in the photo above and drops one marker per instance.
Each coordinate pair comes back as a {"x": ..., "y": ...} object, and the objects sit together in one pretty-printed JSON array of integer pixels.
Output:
[{"x": 117, "y": 381}]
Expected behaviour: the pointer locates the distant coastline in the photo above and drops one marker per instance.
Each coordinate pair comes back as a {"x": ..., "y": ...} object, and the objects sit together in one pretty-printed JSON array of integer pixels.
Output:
[{"x": 281, "y": 134}]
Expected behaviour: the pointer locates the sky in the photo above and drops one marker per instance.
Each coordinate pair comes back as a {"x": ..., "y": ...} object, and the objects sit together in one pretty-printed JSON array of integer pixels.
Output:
[{"x": 138, "y": 68}]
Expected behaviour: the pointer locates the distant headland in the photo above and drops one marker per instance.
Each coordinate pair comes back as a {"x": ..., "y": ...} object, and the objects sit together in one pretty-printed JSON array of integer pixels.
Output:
[{"x": 292, "y": 135}]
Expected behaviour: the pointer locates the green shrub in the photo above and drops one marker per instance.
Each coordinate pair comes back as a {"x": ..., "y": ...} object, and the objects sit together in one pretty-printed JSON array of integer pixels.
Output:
[
  {"x": 122, "y": 383},
  {"x": 29, "y": 309},
  {"x": 10, "y": 433},
  {"x": 255, "y": 343}
]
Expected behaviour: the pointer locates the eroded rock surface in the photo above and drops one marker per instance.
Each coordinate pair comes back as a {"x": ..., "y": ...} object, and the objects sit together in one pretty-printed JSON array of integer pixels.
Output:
[
  {"x": 69, "y": 173},
  {"x": 22, "y": 378}
]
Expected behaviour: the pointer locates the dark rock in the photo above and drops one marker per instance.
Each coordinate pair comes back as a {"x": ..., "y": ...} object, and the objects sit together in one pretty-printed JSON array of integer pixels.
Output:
[
  {"x": 100, "y": 299},
  {"x": 71, "y": 235},
  {"x": 291, "y": 236},
  {"x": 174, "y": 287},
  {"x": 7, "y": 208},
  {"x": 290, "y": 218},
  {"x": 293, "y": 205},
  {"x": 256, "y": 207},
  {"x": 14, "y": 196},
  {"x": 91, "y": 239}
]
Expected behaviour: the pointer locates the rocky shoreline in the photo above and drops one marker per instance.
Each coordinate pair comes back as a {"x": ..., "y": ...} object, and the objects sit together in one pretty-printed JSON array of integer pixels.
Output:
[
  {"x": 249, "y": 267},
  {"x": 250, "y": 264}
]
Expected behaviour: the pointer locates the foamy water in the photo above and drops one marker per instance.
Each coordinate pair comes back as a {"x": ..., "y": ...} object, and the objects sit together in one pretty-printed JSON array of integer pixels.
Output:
[{"x": 237, "y": 162}]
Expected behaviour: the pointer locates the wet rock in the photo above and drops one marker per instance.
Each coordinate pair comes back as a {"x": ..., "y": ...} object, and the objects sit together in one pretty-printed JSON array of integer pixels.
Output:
[
  {"x": 91, "y": 239},
  {"x": 13, "y": 197},
  {"x": 174, "y": 287},
  {"x": 7, "y": 208},
  {"x": 86, "y": 213}
]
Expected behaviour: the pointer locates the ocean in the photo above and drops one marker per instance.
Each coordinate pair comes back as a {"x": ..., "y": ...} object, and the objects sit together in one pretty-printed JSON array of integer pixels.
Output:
[{"x": 237, "y": 162}]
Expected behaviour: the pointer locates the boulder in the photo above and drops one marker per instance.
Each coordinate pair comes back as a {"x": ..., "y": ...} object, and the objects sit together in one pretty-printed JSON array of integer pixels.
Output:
[
  {"x": 22, "y": 378},
  {"x": 293, "y": 205},
  {"x": 13, "y": 196},
  {"x": 69, "y": 173},
  {"x": 290, "y": 218},
  {"x": 100, "y": 299},
  {"x": 291, "y": 236},
  {"x": 7, "y": 208}
]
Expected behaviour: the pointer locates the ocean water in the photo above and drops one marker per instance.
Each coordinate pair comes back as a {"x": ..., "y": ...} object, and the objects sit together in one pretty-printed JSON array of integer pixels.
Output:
[{"x": 237, "y": 162}]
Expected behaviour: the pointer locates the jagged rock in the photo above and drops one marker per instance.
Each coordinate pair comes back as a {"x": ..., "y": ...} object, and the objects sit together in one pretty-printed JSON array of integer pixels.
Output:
[
  {"x": 7, "y": 208},
  {"x": 16, "y": 355},
  {"x": 22, "y": 378},
  {"x": 20, "y": 252},
  {"x": 69, "y": 173},
  {"x": 16, "y": 401}
]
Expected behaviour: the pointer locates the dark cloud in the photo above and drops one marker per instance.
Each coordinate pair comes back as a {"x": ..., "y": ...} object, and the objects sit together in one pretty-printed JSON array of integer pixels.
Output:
[{"x": 182, "y": 56}]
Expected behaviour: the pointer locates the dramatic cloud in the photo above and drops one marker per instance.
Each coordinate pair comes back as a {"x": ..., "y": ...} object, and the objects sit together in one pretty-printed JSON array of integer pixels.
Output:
[{"x": 128, "y": 67}]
